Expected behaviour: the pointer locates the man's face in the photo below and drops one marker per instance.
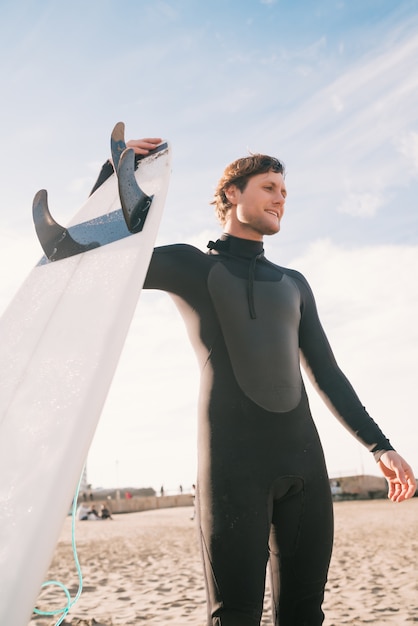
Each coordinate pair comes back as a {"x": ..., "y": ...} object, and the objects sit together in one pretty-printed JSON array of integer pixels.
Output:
[{"x": 258, "y": 209}]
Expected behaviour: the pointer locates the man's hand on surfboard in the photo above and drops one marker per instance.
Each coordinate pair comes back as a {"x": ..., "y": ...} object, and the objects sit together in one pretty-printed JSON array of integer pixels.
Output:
[{"x": 143, "y": 146}]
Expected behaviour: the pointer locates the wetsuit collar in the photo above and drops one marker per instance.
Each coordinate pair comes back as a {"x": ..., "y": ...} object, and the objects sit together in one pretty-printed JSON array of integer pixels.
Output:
[
  {"x": 244, "y": 248},
  {"x": 235, "y": 246}
]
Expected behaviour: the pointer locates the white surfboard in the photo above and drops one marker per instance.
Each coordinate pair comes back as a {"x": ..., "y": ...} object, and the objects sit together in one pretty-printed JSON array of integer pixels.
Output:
[{"x": 60, "y": 341}]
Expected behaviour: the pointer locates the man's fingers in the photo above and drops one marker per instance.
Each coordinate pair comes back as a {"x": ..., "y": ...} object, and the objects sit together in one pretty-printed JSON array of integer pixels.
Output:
[
  {"x": 402, "y": 490},
  {"x": 143, "y": 146}
]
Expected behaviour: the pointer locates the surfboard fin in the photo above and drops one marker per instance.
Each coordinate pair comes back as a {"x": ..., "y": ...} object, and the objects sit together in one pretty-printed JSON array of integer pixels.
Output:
[
  {"x": 56, "y": 241},
  {"x": 135, "y": 203},
  {"x": 117, "y": 143}
]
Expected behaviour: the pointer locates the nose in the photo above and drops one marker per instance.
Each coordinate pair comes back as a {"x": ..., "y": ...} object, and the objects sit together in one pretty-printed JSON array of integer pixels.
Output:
[{"x": 280, "y": 200}]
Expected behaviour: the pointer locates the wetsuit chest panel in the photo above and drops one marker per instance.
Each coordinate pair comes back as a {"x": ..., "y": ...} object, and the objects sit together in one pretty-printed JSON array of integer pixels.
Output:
[{"x": 264, "y": 352}]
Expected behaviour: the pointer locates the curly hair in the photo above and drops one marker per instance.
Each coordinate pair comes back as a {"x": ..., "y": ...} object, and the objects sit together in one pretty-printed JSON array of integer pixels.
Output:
[{"x": 238, "y": 173}]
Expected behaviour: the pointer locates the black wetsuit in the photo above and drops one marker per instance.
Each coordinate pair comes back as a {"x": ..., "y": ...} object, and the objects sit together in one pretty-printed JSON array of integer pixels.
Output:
[{"x": 263, "y": 490}]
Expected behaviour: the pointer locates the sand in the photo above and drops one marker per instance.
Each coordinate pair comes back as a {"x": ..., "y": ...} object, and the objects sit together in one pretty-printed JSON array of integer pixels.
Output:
[{"x": 144, "y": 568}]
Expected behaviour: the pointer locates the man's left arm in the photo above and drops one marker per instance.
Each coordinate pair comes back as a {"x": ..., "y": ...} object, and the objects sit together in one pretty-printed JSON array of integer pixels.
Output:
[{"x": 341, "y": 398}]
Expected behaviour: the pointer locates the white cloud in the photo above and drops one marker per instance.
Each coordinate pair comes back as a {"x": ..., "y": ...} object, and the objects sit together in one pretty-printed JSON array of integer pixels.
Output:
[
  {"x": 408, "y": 146},
  {"x": 337, "y": 103},
  {"x": 149, "y": 420},
  {"x": 82, "y": 184},
  {"x": 361, "y": 204},
  {"x": 356, "y": 117}
]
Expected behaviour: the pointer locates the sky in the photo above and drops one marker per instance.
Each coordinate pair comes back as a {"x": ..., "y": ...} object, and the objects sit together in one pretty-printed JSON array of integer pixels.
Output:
[{"x": 328, "y": 86}]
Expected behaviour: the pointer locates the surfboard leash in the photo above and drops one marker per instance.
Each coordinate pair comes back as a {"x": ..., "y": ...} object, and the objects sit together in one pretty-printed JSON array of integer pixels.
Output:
[{"x": 70, "y": 601}]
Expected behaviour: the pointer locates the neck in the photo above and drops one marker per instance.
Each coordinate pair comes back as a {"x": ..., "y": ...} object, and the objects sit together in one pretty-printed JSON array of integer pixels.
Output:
[
  {"x": 237, "y": 246},
  {"x": 242, "y": 232}
]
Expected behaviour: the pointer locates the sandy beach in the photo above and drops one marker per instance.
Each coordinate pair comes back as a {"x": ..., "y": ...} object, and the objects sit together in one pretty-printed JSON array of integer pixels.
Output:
[{"x": 144, "y": 568}]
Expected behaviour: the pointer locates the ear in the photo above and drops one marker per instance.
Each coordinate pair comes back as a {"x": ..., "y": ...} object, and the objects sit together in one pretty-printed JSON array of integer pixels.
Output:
[{"x": 231, "y": 193}]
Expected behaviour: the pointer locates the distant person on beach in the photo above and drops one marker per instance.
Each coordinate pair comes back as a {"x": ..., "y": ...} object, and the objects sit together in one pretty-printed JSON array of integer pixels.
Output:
[
  {"x": 263, "y": 492},
  {"x": 105, "y": 513},
  {"x": 83, "y": 512},
  {"x": 193, "y": 515},
  {"x": 92, "y": 514}
]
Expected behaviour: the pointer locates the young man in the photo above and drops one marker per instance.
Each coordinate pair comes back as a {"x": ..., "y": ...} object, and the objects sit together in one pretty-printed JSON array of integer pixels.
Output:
[{"x": 263, "y": 492}]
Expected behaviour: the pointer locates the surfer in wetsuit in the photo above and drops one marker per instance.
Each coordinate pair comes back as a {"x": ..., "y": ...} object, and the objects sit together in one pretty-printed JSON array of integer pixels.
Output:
[{"x": 263, "y": 493}]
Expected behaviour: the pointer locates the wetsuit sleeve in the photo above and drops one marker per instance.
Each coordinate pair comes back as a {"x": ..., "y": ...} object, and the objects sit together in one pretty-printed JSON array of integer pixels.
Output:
[
  {"x": 333, "y": 386},
  {"x": 175, "y": 269}
]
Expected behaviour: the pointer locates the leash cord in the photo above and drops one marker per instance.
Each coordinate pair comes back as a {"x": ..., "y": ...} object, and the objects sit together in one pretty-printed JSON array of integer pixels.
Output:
[{"x": 70, "y": 602}]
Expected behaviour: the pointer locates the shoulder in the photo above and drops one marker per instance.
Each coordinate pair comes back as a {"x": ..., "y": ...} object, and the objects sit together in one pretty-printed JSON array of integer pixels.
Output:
[
  {"x": 297, "y": 276},
  {"x": 299, "y": 281},
  {"x": 179, "y": 249},
  {"x": 179, "y": 254},
  {"x": 293, "y": 274},
  {"x": 302, "y": 284},
  {"x": 177, "y": 259}
]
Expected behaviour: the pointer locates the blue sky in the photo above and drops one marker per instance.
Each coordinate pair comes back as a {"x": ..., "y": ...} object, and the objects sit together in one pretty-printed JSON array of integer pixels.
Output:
[{"x": 330, "y": 87}]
